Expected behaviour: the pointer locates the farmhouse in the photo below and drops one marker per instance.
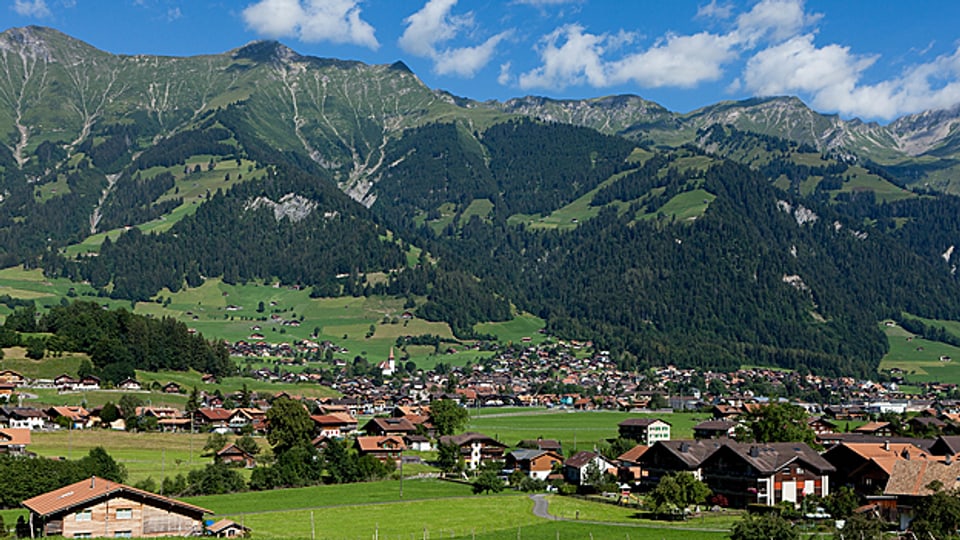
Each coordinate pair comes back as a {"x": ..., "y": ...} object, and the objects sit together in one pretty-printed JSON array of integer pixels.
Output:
[
  {"x": 536, "y": 464},
  {"x": 232, "y": 454},
  {"x": 644, "y": 430},
  {"x": 475, "y": 448},
  {"x": 98, "y": 508},
  {"x": 14, "y": 441}
]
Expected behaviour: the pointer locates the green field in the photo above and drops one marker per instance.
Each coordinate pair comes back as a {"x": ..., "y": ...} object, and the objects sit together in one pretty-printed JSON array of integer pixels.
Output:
[
  {"x": 920, "y": 358},
  {"x": 144, "y": 455},
  {"x": 576, "y": 430},
  {"x": 686, "y": 206}
]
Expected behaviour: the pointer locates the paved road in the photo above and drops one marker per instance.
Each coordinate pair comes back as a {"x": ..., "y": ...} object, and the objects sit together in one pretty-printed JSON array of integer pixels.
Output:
[{"x": 540, "y": 507}]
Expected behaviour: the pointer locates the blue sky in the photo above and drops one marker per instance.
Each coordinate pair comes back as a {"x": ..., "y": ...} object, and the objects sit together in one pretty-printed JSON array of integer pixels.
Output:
[{"x": 875, "y": 60}]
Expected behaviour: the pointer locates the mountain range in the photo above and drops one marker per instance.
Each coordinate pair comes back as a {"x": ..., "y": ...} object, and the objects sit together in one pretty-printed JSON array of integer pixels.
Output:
[{"x": 756, "y": 231}]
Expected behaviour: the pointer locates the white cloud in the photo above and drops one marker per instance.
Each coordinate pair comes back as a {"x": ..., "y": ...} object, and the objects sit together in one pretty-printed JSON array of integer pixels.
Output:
[
  {"x": 505, "y": 76},
  {"x": 571, "y": 56},
  {"x": 336, "y": 21},
  {"x": 31, "y": 8},
  {"x": 433, "y": 25},
  {"x": 714, "y": 10},
  {"x": 832, "y": 77},
  {"x": 174, "y": 14},
  {"x": 776, "y": 19}
]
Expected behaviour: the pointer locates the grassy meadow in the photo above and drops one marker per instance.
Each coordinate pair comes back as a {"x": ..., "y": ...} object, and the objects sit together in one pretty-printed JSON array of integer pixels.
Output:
[
  {"x": 576, "y": 430},
  {"x": 920, "y": 358}
]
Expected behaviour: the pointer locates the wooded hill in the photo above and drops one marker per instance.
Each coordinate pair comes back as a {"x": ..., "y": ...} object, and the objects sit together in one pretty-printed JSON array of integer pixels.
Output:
[{"x": 667, "y": 239}]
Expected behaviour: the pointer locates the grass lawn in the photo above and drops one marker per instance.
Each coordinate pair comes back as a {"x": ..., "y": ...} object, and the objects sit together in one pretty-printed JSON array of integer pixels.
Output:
[
  {"x": 143, "y": 454},
  {"x": 576, "y": 430},
  {"x": 570, "y": 508},
  {"x": 331, "y": 495},
  {"x": 686, "y": 206}
]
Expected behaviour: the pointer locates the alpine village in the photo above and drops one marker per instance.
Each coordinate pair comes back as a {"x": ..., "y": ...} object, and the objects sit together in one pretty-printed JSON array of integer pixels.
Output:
[{"x": 271, "y": 295}]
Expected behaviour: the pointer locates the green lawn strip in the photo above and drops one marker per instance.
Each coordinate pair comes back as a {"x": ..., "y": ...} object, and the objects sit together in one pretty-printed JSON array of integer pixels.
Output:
[
  {"x": 524, "y": 325},
  {"x": 330, "y": 495},
  {"x": 569, "y": 530},
  {"x": 426, "y": 518},
  {"x": 576, "y": 430},
  {"x": 587, "y": 510},
  {"x": 686, "y": 206},
  {"x": 144, "y": 455}
]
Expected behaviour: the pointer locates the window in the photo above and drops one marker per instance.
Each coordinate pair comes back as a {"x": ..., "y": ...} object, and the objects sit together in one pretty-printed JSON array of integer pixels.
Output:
[
  {"x": 123, "y": 534},
  {"x": 799, "y": 470},
  {"x": 83, "y": 515},
  {"x": 124, "y": 513},
  {"x": 82, "y": 535}
]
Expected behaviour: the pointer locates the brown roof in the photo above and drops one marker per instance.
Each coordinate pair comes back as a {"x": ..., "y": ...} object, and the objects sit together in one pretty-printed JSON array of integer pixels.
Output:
[
  {"x": 86, "y": 491},
  {"x": 225, "y": 524},
  {"x": 715, "y": 425},
  {"x": 872, "y": 427},
  {"x": 215, "y": 414},
  {"x": 372, "y": 444},
  {"x": 14, "y": 436},
  {"x": 470, "y": 437},
  {"x": 886, "y": 454},
  {"x": 335, "y": 419},
  {"x": 641, "y": 422},
  {"x": 771, "y": 457},
  {"x": 633, "y": 454},
  {"x": 911, "y": 477},
  {"x": 390, "y": 425}
]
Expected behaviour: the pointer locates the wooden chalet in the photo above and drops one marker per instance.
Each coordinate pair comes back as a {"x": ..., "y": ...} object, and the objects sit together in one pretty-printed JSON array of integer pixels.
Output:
[
  {"x": 666, "y": 457},
  {"x": 541, "y": 444},
  {"x": 866, "y": 467},
  {"x": 227, "y": 528},
  {"x": 769, "y": 473},
  {"x": 383, "y": 426},
  {"x": 387, "y": 449},
  {"x": 232, "y": 454},
  {"x": 629, "y": 469},
  {"x": 337, "y": 424},
  {"x": 97, "y": 507},
  {"x": 714, "y": 429},
  {"x": 946, "y": 445},
  {"x": 877, "y": 429},
  {"x": 537, "y": 464},
  {"x": 8, "y": 376},
  {"x": 912, "y": 480},
  {"x": 14, "y": 441}
]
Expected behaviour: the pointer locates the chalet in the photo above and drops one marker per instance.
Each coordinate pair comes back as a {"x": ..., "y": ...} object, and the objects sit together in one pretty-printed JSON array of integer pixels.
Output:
[
  {"x": 911, "y": 481},
  {"x": 541, "y": 444},
  {"x": 212, "y": 419},
  {"x": 334, "y": 424},
  {"x": 226, "y": 528},
  {"x": 927, "y": 424},
  {"x": 8, "y": 376},
  {"x": 866, "y": 467},
  {"x": 383, "y": 426},
  {"x": 87, "y": 383},
  {"x": 946, "y": 445},
  {"x": 23, "y": 417},
  {"x": 246, "y": 417},
  {"x": 14, "y": 441},
  {"x": 877, "y": 429},
  {"x": 667, "y": 457},
  {"x": 476, "y": 448},
  {"x": 537, "y": 464},
  {"x": 630, "y": 469},
  {"x": 70, "y": 417},
  {"x": 644, "y": 430},
  {"x": 65, "y": 383},
  {"x": 845, "y": 412},
  {"x": 232, "y": 454},
  {"x": 131, "y": 385},
  {"x": 172, "y": 388},
  {"x": 714, "y": 429},
  {"x": 208, "y": 379},
  {"x": 98, "y": 508},
  {"x": 769, "y": 474},
  {"x": 387, "y": 449},
  {"x": 575, "y": 468},
  {"x": 6, "y": 392},
  {"x": 822, "y": 425},
  {"x": 725, "y": 412},
  {"x": 420, "y": 443}
]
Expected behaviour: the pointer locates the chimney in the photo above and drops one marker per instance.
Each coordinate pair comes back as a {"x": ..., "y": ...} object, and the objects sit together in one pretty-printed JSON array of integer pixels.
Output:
[
  {"x": 93, "y": 482},
  {"x": 685, "y": 447},
  {"x": 754, "y": 451},
  {"x": 948, "y": 459},
  {"x": 886, "y": 445}
]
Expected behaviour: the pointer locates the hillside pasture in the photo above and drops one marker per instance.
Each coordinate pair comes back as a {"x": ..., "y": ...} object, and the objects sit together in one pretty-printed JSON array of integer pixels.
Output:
[
  {"x": 686, "y": 206},
  {"x": 920, "y": 358}
]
